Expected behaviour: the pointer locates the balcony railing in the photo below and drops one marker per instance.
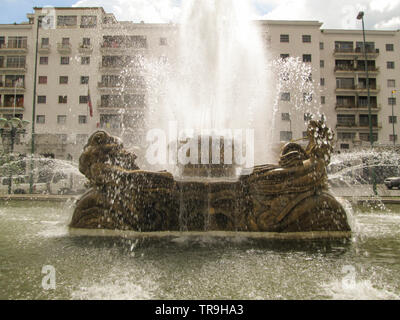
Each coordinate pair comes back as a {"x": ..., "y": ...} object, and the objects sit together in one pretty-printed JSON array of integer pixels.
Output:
[
  {"x": 355, "y": 107},
  {"x": 345, "y": 68},
  {"x": 64, "y": 48},
  {"x": 106, "y": 85},
  {"x": 355, "y": 125},
  {"x": 356, "y": 51},
  {"x": 359, "y": 87},
  {"x": 14, "y": 48},
  {"x": 85, "y": 48},
  {"x": 14, "y": 67},
  {"x": 44, "y": 49},
  {"x": 9, "y": 86},
  {"x": 7, "y": 106}
]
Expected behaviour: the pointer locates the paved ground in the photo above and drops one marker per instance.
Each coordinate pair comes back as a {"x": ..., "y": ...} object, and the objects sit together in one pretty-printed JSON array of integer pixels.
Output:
[{"x": 38, "y": 197}]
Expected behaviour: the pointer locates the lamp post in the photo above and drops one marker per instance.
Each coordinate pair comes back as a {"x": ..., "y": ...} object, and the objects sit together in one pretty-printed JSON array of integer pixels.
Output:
[
  {"x": 392, "y": 102},
  {"x": 360, "y": 16},
  {"x": 39, "y": 20},
  {"x": 11, "y": 128}
]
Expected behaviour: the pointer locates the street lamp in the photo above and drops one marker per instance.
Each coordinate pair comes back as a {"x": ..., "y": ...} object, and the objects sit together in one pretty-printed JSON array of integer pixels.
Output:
[
  {"x": 39, "y": 21},
  {"x": 360, "y": 16},
  {"x": 392, "y": 102},
  {"x": 11, "y": 128}
]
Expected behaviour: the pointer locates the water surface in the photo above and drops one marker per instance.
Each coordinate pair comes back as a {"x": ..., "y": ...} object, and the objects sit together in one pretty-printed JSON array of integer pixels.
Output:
[{"x": 189, "y": 266}]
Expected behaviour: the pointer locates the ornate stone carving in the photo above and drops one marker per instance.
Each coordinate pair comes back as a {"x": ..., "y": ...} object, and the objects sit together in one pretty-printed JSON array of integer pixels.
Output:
[{"x": 291, "y": 197}]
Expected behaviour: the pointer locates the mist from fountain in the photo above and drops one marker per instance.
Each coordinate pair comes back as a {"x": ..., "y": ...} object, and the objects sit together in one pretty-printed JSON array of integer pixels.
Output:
[{"x": 220, "y": 77}]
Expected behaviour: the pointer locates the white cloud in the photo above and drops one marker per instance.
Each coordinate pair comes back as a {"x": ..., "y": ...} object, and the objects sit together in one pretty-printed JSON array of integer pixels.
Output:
[
  {"x": 137, "y": 10},
  {"x": 336, "y": 13},
  {"x": 379, "y": 14}
]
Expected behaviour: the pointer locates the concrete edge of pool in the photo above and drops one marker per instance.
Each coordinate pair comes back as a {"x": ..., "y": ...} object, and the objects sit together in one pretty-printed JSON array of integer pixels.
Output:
[{"x": 212, "y": 234}]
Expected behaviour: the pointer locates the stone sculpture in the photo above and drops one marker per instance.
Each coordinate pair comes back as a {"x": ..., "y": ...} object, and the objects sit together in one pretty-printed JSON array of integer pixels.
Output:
[{"x": 290, "y": 197}]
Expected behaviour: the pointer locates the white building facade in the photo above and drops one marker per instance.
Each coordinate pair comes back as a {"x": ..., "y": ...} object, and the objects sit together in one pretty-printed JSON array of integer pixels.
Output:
[{"x": 82, "y": 50}]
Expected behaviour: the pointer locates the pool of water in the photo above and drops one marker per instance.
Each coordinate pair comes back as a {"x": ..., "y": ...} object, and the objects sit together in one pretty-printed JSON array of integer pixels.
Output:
[{"x": 192, "y": 266}]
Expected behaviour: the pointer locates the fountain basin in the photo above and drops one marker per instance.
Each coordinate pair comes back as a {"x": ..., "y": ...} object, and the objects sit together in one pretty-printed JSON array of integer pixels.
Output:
[{"x": 291, "y": 197}]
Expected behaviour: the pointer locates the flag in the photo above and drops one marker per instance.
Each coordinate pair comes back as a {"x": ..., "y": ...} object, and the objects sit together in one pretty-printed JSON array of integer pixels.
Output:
[{"x": 90, "y": 103}]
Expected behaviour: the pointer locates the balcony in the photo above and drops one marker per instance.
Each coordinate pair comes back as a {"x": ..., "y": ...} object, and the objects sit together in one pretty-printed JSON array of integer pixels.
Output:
[
  {"x": 359, "y": 88},
  {"x": 14, "y": 48},
  {"x": 357, "y": 126},
  {"x": 12, "y": 68},
  {"x": 354, "y": 108},
  {"x": 85, "y": 48},
  {"x": 9, "y": 107},
  {"x": 350, "y": 70},
  {"x": 357, "y": 52},
  {"x": 111, "y": 67},
  {"x": 64, "y": 48},
  {"x": 110, "y": 49},
  {"x": 44, "y": 49},
  {"x": 8, "y": 87}
]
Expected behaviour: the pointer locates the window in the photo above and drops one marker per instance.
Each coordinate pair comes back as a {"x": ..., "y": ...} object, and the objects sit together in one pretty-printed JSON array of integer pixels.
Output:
[
  {"x": 393, "y": 137},
  {"x": 322, "y": 99},
  {"x": 285, "y": 96},
  {"x": 64, "y": 60},
  {"x": 285, "y": 116},
  {"x": 392, "y": 119},
  {"x": 163, "y": 42},
  {"x": 365, "y": 137},
  {"x": 66, "y": 21},
  {"x": 284, "y": 56},
  {"x": 83, "y": 99},
  {"x": 307, "y": 97},
  {"x": 45, "y": 43},
  {"x": 390, "y": 64},
  {"x": 344, "y": 146},
  {"x": 63, "y": 79},
  {"x": 84, "y": 79},
  {"x": 346, "y": 135},
  {"x": 347, "y": 120},
  {"x": 392, "y": 101},
  {"x": 322, "y": 63},
  {"x": 389, "y": 47},
  {"x": 321, "y": 46},
  {"x": 85, "y": 60},
  {"x": 306, "y": 38},
  {"x": 284, "y": 38},
  {"x": 308, "y": 116},
  {"x": 62, "y": 99},
  {"x": 65, "y": 42},
  {"x": 322, "y": 82},
  {"x": 41, "y": 99},
  {"x": 17, "y": 42},
  {"x": 40, "y": 119},
  {"x": 88, "y": 22},
  {"x": 344, "y": 46},
  {"x": 82, "y": 119},
  {"x": 286, "y": 135},
  {"x": 81, "y": 138},
  {"x": 62, "y": 119},
  {"x": 306, "y": 57},
  {"x": 44, "y": 60},
  {"x": 16, "y": 61},
  {"x": 391, "y": 83},
  {"x": 86, "y": 42},
  {"x": 42, "y": 79}
]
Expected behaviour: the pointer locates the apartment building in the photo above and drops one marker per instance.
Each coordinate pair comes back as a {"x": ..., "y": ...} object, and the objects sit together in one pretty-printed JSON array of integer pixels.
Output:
[{"x": 86, "y": 52}]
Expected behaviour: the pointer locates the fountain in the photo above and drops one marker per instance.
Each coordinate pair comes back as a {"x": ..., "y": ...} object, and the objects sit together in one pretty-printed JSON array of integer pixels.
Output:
[{"x": 221, "y": 68}]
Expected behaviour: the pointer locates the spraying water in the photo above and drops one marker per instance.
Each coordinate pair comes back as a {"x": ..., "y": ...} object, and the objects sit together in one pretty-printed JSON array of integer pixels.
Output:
[{"x": 220, "y": 78}]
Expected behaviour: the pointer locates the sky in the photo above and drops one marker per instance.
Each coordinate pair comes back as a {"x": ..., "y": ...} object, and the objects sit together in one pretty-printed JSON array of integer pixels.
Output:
[{"x": 335, "y": 14}]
